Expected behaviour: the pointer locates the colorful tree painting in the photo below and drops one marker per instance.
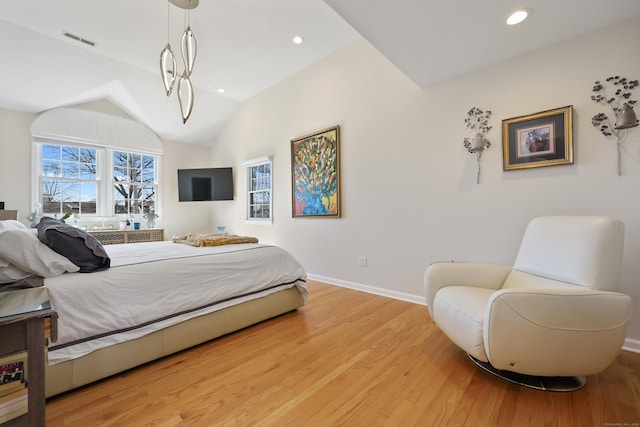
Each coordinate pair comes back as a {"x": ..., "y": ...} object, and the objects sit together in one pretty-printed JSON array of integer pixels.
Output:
[{"x": 315, "y": 174}]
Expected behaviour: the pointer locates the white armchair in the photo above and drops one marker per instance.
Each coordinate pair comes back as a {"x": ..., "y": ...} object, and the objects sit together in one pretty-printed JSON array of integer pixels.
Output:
[{"x": 554, "y": 314}]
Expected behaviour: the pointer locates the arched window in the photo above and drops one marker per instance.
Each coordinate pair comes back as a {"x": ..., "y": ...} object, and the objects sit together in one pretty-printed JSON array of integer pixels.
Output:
[{"x": 94, "y": 164}]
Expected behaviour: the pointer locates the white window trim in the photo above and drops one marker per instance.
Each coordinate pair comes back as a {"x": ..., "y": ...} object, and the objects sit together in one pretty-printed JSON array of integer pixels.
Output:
[
  {"x": 104, "y": 159},
  {"x": 109, "y": 185},
  {"x": 247, "y": 165}
]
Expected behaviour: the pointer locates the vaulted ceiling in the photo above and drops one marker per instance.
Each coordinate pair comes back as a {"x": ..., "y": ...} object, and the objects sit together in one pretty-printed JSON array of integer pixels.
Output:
[{"x": 244, "y": 47}]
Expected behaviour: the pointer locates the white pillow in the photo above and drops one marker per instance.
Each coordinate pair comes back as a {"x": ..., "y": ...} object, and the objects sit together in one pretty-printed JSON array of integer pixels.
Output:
[
  {"x": 9, "y": 273},
  {"x": 22, "y": 249},
  {"x": 12, "y": 223}
]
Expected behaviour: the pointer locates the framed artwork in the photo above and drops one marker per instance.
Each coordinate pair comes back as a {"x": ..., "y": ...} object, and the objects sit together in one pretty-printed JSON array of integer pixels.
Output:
[
  {"x": 540, "y": 139},
  {"x": 315, "y": 174}
]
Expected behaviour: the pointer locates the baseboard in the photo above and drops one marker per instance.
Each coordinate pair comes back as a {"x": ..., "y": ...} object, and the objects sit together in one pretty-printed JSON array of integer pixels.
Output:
[
  {"x": 630, "y": 344},
  {"x": 416, "y": 299}
]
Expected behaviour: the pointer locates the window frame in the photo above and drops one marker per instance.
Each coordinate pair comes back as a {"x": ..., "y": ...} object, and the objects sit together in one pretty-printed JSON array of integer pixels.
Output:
[
  {"x": 62, "y": 160},
  {"x": 248, "y": 166},
  {"x": 142, "y": 184},
  {"x": 105, "y": 209}
]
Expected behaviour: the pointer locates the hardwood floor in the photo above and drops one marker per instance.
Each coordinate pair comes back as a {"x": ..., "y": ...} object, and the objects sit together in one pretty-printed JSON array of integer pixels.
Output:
[{"x": 346, "y": 358}]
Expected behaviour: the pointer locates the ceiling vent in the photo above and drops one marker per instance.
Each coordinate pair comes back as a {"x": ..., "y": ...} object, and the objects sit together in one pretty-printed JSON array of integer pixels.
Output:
[{"x": 78, "y": 38}]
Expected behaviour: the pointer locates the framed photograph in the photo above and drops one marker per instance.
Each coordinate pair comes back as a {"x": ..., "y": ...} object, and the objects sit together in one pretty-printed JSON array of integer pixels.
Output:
[
  {"x": 315, "y": 174},
  {"x": 540, "y": 139}
]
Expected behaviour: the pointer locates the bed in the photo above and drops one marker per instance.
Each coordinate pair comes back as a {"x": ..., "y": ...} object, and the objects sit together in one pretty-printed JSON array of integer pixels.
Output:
[{"x": 157, "y": 298}]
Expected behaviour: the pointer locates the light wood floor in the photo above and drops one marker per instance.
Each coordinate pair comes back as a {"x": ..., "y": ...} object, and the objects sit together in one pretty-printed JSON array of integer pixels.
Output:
[{"x": 346, "y": 358}]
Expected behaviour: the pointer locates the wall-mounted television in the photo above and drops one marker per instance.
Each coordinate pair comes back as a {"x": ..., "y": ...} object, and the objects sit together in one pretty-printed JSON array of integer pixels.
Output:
[{"x": 203, "y": 185}]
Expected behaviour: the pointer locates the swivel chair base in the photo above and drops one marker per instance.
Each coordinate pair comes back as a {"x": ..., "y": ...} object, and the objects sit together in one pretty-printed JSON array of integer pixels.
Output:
[{"x": 532, "y": 381}]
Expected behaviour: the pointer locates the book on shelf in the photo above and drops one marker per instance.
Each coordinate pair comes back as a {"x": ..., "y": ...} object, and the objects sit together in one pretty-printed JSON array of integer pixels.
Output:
[
  {"x": 9, "y": 388},
  {"x": 16, "y": 400},
  {"x": 13, "y": 373},
  {"x": 14, "y": 407},
  {"x": 14, "y": 414},
  {"x": 8, "y": 359},
  {"x": 7, "y": 397}
]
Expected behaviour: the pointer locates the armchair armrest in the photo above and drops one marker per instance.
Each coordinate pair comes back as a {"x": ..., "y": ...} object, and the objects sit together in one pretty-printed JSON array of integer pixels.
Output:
[
  {"x": 439, "y": 275},
  {"x": 555, "y": 332}
]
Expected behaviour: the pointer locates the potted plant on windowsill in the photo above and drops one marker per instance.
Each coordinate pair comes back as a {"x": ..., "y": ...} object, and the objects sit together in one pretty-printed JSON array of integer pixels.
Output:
[{"x": 66, "y": 216}]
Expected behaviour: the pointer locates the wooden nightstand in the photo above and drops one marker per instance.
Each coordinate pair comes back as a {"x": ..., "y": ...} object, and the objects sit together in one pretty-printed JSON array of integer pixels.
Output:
[{"x": 27, "y": 320}]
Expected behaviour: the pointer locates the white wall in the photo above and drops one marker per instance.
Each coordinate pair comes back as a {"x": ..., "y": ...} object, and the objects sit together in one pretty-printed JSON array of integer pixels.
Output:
[
  {"x": 15, "y": 172},
  {"x": 409, "y": 195},
  {"x": 15, "y": 161}
]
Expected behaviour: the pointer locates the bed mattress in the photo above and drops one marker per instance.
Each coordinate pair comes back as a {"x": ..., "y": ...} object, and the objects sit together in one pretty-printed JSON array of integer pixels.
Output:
[{"x": 151, "y": 286}]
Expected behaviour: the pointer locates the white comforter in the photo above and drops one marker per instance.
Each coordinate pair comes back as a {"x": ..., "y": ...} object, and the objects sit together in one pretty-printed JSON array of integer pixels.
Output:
[{"x": 154, "y": 285}]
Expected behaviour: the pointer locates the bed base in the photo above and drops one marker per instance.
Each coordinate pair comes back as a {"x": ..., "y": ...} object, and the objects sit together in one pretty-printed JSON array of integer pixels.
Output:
[{"x": 111, "y": 360}]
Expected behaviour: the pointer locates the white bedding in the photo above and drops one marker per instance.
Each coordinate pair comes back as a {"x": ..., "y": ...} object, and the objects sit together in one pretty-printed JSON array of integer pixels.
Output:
[{"x": 154, "y": 285}]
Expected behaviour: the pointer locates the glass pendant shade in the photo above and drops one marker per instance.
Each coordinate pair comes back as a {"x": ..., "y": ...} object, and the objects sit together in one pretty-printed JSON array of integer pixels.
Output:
[
  {"x": 168, "y": 67},
  {"x": 189, "y": 49},
  {"x": 185, "y": 96},
  {"x": 626, "y": 118}
]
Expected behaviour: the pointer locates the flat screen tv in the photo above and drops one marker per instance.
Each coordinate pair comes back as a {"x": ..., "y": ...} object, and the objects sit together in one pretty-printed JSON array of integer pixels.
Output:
[{"x": 203, "y": 185}]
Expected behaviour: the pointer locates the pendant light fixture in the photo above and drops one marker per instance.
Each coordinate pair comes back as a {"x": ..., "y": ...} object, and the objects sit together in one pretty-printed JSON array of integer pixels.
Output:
[
  {"x": 168, "y": 63},
  {"x": 168, "y": 66}
]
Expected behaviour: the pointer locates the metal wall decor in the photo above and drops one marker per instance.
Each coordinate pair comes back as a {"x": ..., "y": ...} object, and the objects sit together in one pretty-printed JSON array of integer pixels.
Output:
[
  {"x": 168, "y": 63},
  {"x": 622, "y": 106},
  {"x": 477, "y": 122}
]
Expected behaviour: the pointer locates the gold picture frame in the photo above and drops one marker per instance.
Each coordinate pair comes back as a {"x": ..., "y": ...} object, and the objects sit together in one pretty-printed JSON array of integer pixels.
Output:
[
  {"x": 537, "y": 140},
  {"x": 315, "y": 174}
]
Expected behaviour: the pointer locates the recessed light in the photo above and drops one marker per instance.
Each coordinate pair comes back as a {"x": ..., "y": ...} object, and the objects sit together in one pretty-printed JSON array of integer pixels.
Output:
[
  {"x": 297, "y": 40},
  {"x": 219, "y": 90},
  {"x": 518, "y": 16}
]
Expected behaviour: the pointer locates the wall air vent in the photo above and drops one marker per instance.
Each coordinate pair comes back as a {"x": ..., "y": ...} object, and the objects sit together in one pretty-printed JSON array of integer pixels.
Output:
[{"x": 78, "y": 38}]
